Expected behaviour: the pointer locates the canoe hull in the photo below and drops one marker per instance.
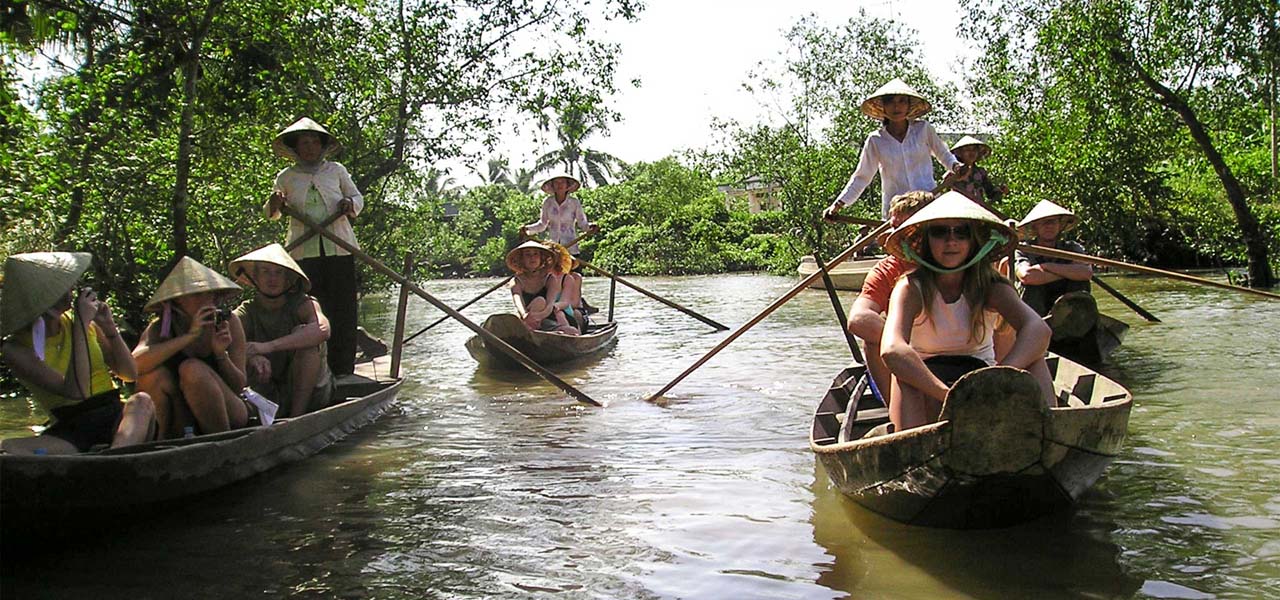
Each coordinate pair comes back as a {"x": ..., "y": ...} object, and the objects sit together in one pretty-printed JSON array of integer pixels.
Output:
[
  {"x": 1082, "y": 333},
  {"x": 990, "y": 470},
  {"x": 171, "y": 469},
  {"x": 545, "y": 348},
  {"x": 848, "y": 275}
]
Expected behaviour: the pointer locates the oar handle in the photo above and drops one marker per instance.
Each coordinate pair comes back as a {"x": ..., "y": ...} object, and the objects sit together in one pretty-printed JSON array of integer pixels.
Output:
[
  {"x": 853, "y": 220},
  {"x": 487, "y": 335},
  {"x": 792, "y": 293},
  {"x": 306, "y": 235},
  {"x": 1106, "y": 262}
]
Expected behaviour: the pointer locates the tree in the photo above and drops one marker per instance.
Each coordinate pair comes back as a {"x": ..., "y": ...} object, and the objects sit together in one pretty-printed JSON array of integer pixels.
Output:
[
  {"x": 580, "y": 116},
  {"x": 1051, "y": 71}
]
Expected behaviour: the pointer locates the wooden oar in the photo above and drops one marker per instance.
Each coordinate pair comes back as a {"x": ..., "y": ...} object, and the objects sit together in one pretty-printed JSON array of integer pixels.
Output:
[
  {"x": 488, "y": 336},
  {"x": 792, "y": 293},
  {"x": 637, "y": 288},
  {"x": 306, "y": 235},
  {"x": 482, "y": 295},
  {"x": 841, "y": 320},
  {"x": 853, "y": 220},
  {"x": 1106, "y": 262},
  {"x": 1127, "y": 302}
]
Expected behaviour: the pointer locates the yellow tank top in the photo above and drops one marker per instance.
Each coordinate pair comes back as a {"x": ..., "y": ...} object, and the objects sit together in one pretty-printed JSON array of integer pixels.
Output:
[{"x": 57, "y": 355}]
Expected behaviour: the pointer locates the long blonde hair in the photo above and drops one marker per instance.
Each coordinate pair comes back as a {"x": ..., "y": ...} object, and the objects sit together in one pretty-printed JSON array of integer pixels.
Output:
[{"x": 977, "y": 284}]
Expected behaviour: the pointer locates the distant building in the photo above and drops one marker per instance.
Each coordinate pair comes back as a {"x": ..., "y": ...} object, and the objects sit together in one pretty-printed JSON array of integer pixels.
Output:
[{"x": 753, "y": 193}]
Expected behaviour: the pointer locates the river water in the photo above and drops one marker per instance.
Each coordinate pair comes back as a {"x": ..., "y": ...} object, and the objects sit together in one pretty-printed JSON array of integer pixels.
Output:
[{"x": 479, "y": 485}]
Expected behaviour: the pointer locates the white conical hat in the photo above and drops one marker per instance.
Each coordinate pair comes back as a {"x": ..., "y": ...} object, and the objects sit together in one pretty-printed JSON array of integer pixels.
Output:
[
  {"x": 284, "y": 150},
  {"x": 951, "y": 205},
  {"x": 34, "y": 282},
  {"x": 1045, "y": 209},
  {"x": 546, "y": 184},
  {"x": 874, "y": 109},
  {"x": 190, "y": 277},
  {"x": 271, "y": 253},
  {"x": 984, "y": 149}
]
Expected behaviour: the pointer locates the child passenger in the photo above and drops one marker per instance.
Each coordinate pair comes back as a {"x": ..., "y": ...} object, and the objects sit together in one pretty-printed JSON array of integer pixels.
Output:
[
  {"x": 191, "y": 359},
  {"x": 318, "y": 188},
  {"x": 538, "y": 288},
  {"x": 975, "y": 182},
  {"x": 942, "y": 315},
  {"x": 62, "y": 344},
  {"x": 900, "y": 150},
  {"x": 285, "y": 330}
]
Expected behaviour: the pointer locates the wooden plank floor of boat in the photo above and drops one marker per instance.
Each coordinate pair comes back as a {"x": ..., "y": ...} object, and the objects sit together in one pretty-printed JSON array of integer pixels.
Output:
[{"x": 377, "y": 370}]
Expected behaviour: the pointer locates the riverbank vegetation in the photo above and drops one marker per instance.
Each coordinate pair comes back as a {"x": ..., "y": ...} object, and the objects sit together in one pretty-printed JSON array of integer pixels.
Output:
[{"x": 140, "y": 131}]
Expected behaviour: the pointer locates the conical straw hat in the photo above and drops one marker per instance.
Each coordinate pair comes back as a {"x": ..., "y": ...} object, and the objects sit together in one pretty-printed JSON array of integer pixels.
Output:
[
  {"x": 546, "y": 185},
  {"x": 513, "y": 262},
  {"x": 190, "y": 277},
  {"x": 951, "y": 205},
  {"x": 271, "y": 253},
  {"x": 1045, "y": 209},
  {"x": 563, "y": 260},
  {"x": 919, "y": 106},
  {"x": 984, "y": 150},
  {"x": 283, "y": 150},
  {"x": 34, "y": 282}
]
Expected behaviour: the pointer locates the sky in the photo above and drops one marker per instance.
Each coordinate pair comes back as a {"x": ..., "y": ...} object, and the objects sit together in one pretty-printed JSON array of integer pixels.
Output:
[{"x": 693, "y": 56}]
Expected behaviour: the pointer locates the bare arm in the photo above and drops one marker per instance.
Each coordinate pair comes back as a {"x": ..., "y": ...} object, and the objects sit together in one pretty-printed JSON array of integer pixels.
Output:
[
  {"x": 117, "y": 354},
  {"x": 313, "y": 332},
  {"x": 865, "y": 320},
  {"x": 895, "y": 346},
  {"x": 229, "y": 353},
  {"x": 1033, "y": 334},
  {"x": 152, "y": 352},
  {"x": 1073, "y": 271}
]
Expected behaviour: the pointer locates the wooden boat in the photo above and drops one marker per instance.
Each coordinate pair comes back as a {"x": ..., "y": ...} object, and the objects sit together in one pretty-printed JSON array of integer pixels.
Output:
[
  {"x": 1081, "y": 332},
  {"x": 847, "y": 275},
  {"x": 997, "y": 457},
  {"x": 543, "y": 347},
  {"x": 34, "y": 489}
]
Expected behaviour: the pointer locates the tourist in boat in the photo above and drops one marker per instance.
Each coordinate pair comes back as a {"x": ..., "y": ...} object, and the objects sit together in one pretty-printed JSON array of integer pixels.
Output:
[
  {"x": 285, "y": 332},
  {"x": 975, "y": 183},
  {"x": 866, "y": 316},
  {"x": 318, "y": 188},
  {"x": 561, "y": 217},
  {"x": 1044, "y": 279},
  {"x": 192, "y": 358},
  {"x": 62, "y": 344},
  {"x": 942, "y": 316},
  {"x": 537, "y": 288},
  {"x": 900, "y": 150}
]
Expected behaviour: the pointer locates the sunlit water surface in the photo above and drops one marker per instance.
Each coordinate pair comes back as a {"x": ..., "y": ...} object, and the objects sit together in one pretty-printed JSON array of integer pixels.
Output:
[{"x": 480, "y": 485}]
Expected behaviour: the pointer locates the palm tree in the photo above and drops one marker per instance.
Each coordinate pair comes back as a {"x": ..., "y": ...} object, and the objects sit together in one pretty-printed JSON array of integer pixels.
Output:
[
  {"x": 496, "y": 172},
  {"x": 589, "y": 166}
]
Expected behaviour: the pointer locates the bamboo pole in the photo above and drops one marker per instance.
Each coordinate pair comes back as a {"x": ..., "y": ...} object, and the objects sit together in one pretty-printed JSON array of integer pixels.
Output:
[
  {"x": 793, "y": 292},
  {"x": 1124, "y": 300},
  {"x": 1106, "y": 262},
  {"x": 637, "y": 288},
  {"x": 397, "y": 345}
]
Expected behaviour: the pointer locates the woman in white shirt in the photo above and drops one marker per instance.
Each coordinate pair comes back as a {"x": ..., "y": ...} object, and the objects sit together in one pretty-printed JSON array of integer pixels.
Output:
[{"x": 900, "y": 150}]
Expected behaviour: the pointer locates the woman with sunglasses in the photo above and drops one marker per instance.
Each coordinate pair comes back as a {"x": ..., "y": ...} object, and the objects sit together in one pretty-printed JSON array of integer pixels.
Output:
[{"x": 942, "y": 316}]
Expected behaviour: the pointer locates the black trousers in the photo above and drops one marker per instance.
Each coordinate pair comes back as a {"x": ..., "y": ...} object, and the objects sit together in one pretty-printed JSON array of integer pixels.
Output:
[{"x": 333, "y": 283}]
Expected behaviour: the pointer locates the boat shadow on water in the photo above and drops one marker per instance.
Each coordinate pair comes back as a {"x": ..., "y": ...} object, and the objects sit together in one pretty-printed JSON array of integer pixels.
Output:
[{"x": 1069, "y": 554}]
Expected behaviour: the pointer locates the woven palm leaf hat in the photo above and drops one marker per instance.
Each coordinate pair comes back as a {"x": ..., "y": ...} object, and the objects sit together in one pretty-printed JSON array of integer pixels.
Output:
[
  {"x": 907, "y": 240},
  {"x": 34, "y": 282},
  {"x": 285, "y": 140},
  {"x": 874, "y": 109},
  {"x": 1045, "y": 209},
  {"x": 573, "y": 187},
  {"x": 190, "y": 277},
  {"x": 563, "y": 262},
  {"x": 984, "y": 150},
  {"x": 513, "y": 257},
  {"x": 242, "y": 269}
]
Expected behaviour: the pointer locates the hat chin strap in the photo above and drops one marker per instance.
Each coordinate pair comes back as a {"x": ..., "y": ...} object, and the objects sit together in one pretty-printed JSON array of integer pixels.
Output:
[{"x": 995, "y": 240}]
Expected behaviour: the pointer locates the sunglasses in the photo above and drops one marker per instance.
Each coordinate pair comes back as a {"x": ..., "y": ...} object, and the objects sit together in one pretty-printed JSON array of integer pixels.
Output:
[{"x": 942, "y": 232}]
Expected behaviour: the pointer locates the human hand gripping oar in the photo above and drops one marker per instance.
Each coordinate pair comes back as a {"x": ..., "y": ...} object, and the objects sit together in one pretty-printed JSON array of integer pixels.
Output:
[
  {"x": 1106, "y": 262},
  {"x": 484, "y": 293},
  {"x": 489, "y": 338},
  {"x": 792, "y": 293}
]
